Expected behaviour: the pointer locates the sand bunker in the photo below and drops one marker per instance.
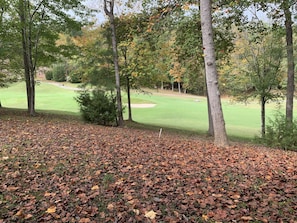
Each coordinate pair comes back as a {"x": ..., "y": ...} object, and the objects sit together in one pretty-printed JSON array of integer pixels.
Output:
[{"x": 143, "y": 105}]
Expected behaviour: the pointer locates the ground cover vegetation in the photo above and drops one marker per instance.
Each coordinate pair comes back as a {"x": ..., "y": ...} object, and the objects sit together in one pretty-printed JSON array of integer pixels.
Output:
[{"x": 67, "y": 171}]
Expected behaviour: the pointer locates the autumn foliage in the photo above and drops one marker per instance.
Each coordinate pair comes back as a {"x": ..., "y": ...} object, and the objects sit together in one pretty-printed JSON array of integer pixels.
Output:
[{"x": 65, "y": 171}]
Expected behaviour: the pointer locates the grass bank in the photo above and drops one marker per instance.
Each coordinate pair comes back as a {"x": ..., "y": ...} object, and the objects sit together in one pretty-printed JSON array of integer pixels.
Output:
[{"x": 171, "y": 110}]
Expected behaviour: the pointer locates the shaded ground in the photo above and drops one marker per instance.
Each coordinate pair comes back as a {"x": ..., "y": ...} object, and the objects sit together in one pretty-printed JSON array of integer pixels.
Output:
[{"x": 64, "y": 171}]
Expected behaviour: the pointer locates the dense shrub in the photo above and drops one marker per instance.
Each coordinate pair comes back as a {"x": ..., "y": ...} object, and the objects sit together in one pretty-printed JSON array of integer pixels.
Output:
[
  {"x": 98, "y": 107},
  {"x": 59, "y": 72},
  {"x": 49, "y": 75},
  {"x": 75, "y": 76},
  {"x": 281, "y": 134}
]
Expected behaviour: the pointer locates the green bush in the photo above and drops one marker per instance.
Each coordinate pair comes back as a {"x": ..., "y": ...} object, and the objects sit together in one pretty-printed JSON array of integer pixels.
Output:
[
  {"x": 98, "y": 107},
  {"x": 59, "y": 72},
  {"x": 49, "y": 75},
  {"x": 75, "y": 76},
  {"x": 281, "y": 134}
]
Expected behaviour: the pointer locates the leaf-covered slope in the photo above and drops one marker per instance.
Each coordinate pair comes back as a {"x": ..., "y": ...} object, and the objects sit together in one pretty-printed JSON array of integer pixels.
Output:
[{"x": 55, "y": 171}]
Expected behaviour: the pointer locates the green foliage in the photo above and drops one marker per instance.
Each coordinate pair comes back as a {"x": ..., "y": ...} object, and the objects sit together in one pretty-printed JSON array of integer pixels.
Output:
[
  {"x": 75, "y": 76},
  {"x": 59, "y": 72},
  {"x": 98, "y": 107},
  {"x": 281, "y": 134},
  {"x": 94, "y": 65},
  {"x": 2, "y": 81},
  {"x": 49, "y": 75}
]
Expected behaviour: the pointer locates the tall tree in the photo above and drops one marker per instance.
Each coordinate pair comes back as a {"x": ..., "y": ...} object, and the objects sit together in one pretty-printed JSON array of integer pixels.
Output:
[
  {"x": 128, "y": 28},
  {"x": 286, "y": 5},
  {"x": 37, "y": 25},
  {"x": 254, "y": 70},
  {"x": 109, "y": 11},
  {"x": 279, "y": 11},
  {"x": 220, "y": 134}
]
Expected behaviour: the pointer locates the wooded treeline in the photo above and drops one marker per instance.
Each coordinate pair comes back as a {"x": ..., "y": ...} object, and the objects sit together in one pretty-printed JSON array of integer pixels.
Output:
[{"x": 158, "y": 46}]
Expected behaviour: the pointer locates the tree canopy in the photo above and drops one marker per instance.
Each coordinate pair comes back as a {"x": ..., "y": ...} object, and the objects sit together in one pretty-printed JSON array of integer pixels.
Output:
[{"x": 31, "y": 29}]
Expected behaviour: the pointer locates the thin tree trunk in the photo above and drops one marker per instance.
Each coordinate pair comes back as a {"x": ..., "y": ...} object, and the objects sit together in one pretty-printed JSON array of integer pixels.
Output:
[
  {"x": 263, "y": 124},
  {"x": 290, "y": 62},
  {"x": 27, "y": 58},
  {"x": 220, "y": 135},
  {"x": 179, "y": 87},
  {"x": 32, "y": 95},
  {"x": 124, "y": 51},
  {"x": 129, "y": 99},
  {"x": 110, "y": 14}
]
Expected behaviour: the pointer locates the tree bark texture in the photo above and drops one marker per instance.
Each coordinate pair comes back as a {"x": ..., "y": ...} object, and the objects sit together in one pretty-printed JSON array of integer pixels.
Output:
[
  {"x": 290, "y": 62},
  {"x": 29, "y": 67},
  {"x": 124, "y": 51},
  {"x": 108, "y": 8},
  {"x": 129, "y": 99},
  {"x": 220, "y": 135},
  {"x": 263, "y": 116}
]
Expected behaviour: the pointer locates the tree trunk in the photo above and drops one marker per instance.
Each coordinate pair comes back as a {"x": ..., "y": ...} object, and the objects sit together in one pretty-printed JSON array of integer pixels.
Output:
[
  {"x": 210, "y": 122},
  {"x": 110, "y": 14},
  {"x": 290, "y": 61},
  {"x": 220, "y": 135},
  {"x": 124, "y": 51},
  {"x": 179, "y": 87},
  {"x": 27, "y": 57},
  {"x": 129, "y": 99},
  {"x": 263, "y": 124}
]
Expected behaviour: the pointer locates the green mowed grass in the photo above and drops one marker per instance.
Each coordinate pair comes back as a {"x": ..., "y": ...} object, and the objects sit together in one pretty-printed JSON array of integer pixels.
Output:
[
  {"x": 48, "y": 97},
  {"x": 183, "y": 112}
]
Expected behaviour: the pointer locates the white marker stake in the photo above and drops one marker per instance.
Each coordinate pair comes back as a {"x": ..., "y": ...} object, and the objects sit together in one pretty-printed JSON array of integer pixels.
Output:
[{"x": 160, "y": 133}]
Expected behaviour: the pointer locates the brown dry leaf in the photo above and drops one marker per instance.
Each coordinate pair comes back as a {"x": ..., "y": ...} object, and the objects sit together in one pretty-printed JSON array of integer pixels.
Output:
[
  {"x": 151, "y": 215},
  {"x": 47, "y": 194},
  {"x": 37, "y": 165},
  {"x": 205, "y": 217},
  {"x": 84, "y": 220},
  {"x": 96, "y": 187},
  {"x": 110, "y": 207},
  {"x": 19, "y": 213},
  {"x": 217, "y": 195},
  {"x": 12, "y": 188},
  {"x": 51, "y": 209},
  {"x": 28, "y": 216},
  {"x": 235, "y": 196},
  {"x": 136, "y": 211},
  {"x": 98, "y": 172},
  {"x": 246, "y": 218},
  {"x": 232, "y": 206}
]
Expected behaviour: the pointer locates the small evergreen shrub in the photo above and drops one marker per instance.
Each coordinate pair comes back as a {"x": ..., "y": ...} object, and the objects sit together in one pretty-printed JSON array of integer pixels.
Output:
[
  {"x": 281, "y": 134},
  {"x": 98, "y": 107},
  {"x": 75, "y": 77},
  {"x": 49, "y": 75},
  {"x": 59, "y": 72}
]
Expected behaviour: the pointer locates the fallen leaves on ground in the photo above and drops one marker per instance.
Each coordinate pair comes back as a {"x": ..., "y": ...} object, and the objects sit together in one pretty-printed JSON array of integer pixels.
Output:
[{"x": 53, "y": 171}]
